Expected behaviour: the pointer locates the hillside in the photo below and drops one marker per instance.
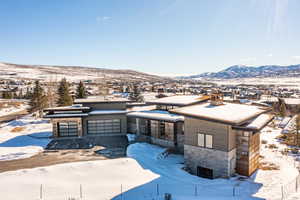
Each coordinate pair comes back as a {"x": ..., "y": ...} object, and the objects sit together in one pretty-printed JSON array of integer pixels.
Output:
[
  {"x": 242, "y": 71},
  {"x": 74, "y": 73}
]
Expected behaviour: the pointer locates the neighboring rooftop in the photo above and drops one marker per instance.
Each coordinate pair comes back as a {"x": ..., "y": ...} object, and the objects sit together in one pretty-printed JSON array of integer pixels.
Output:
[
  {"x": 102, "y": 99},
  {"x": 67, "y": 108},
  {"x": 228, "y": 113},
  {"x": 181, "y": 100}
]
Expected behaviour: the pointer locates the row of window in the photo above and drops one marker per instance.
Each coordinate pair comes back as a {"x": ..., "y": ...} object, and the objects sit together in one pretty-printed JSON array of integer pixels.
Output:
[{"x": 205, "y": 140}]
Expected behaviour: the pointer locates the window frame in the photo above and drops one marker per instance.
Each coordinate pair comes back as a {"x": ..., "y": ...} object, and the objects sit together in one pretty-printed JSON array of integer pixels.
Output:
[
  {"x": 68, "y": 129},
  {"x": 205, "y": 140}
]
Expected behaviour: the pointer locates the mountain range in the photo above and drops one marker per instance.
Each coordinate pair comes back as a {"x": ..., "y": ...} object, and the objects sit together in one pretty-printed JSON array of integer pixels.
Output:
[
  {"x": 243, "y": 71},
  {"x": 9, "y": 71}
]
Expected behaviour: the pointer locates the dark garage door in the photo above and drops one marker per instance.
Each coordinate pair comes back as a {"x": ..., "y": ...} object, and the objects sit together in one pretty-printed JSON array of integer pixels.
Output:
[
  {"x": 104, "y": 126},
  {"x": 67, "y": 129}
]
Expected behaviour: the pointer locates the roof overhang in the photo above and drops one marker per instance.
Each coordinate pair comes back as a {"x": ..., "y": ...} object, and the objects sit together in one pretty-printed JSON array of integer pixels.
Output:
[{"x": 256, "y": 124}]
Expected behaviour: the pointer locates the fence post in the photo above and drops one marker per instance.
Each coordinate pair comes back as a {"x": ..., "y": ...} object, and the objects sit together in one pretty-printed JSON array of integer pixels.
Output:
[
  {"x": 196, "y": 192},
  {"x": 233, "y": 191},
  {"x": 121, "y": 192},
  {"x": 282, "y": 196},
  {"x": 157, "y": 189},
  {"x": 297, "y": 178},
  {"x": 80, "y": 191},
  {"x": 41, "y": 191}
]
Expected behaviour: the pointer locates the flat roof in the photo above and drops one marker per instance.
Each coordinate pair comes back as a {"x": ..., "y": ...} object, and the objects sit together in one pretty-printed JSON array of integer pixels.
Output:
[
  {"x": 179, "y": 100},
  {"x": 257, "y": 123},
  {"x": 69, "y": 115},
  {"x": 228, "y": 113},
  {"x": 67, "y": 108},
  {"x": 102, "y": 100},
  {"x": 157, "y": 115},
  {"x": 107, "y": 112}
]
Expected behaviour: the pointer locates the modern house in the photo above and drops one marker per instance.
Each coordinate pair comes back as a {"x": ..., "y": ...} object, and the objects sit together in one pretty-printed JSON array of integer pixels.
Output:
[
  {"x": 222, "y": 138},
  {"x": 216, "y": 138}
]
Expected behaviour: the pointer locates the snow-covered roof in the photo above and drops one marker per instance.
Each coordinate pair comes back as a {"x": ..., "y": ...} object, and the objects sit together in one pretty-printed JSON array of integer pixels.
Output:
[
  {"x": 106, "y": 112},
  {"x": 284, "y": 122},
  {"x": 180, "y": 100},
  {"x": 292, "y": 101},
  {"x": 66, "y": 108},
  {"x": 102, "y": 100},
  {"x": 157, "y": 115},
  {"x": 227, "y": 113},
  {"x": 66, "y": 115},
  {"x": 259, "y": 122},
  {"x": 290, "y": 125},
  {"x": 141, "y": 108}
]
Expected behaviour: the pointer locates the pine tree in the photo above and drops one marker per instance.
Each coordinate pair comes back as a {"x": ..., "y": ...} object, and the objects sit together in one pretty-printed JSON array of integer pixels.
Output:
[
  {"x": 282, "y": 107},
  {"x": 64, "y": 97},
  {"x": 38, "y": 100},
  {"x": 81, "y": 91},
  {"x": 135, "y": 95}
]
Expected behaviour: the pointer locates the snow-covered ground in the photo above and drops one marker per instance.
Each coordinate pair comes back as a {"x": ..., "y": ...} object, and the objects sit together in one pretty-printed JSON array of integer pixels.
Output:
[
  {"x": 25, "y": 143},
  {"x": 12, "y": 109},
  {"x": 273, "y": 180}
]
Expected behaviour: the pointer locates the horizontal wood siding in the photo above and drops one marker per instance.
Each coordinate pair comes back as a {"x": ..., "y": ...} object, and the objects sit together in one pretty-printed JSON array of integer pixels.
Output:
[{"x": 193, "y": 126}]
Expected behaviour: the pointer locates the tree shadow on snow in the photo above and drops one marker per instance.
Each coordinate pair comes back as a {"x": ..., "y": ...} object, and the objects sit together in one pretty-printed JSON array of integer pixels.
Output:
[{"x": 34, "y": 139}]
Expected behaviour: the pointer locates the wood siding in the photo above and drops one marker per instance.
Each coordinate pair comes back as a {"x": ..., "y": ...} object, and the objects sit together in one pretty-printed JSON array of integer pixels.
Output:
[
  {"x": 247, "y": 152},
  {"x": 222, "y": 134}
]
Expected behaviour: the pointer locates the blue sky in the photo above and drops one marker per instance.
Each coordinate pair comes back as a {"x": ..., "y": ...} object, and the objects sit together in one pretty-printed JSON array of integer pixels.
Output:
[{"x": 156, "y": 36}]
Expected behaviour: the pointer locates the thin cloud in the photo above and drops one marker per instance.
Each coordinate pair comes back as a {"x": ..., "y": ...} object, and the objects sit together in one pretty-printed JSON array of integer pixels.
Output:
[
  {"x": 103, "y": 19},
  {"x": 269, "y": 55}
]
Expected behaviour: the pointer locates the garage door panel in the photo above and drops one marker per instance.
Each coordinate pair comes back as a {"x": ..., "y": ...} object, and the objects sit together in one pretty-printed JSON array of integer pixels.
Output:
[{"x": 104, "y": 126}]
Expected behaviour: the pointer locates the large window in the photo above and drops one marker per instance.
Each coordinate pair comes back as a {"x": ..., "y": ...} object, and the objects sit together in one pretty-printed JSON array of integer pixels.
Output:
[
  {"x": 66, "y": 129},
  {"x": 205, "y": 140},
  {"x": 104, "y": 126}
]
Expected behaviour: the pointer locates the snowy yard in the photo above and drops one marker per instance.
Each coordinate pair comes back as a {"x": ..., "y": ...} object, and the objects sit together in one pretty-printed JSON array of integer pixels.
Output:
[
  {"x": 145, "y": 175},
  {"x": 10, "y": 109},
  {"x": 28, "y": 141}
]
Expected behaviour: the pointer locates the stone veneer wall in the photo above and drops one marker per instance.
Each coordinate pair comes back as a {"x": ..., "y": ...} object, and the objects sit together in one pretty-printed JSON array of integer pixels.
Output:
[
  {"x": 222, "y": 163},
  {"x": 57, "y": 120}
]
